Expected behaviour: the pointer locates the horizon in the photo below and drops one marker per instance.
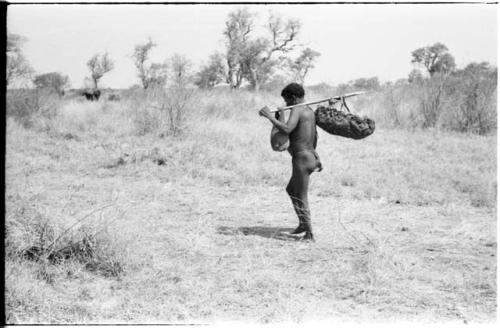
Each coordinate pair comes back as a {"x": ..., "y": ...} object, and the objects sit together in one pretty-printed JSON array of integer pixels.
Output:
[{"x": 354, "y": 41}]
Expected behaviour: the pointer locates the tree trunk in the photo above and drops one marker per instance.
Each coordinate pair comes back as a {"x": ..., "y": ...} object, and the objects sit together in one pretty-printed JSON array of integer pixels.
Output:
[{"x": 254, "y": 80}]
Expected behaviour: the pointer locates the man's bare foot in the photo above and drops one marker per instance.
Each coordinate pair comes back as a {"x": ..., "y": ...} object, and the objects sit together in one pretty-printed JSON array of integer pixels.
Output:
[
  {"x": 300, "y": 229},
  {"x": 308, "y": 237}
]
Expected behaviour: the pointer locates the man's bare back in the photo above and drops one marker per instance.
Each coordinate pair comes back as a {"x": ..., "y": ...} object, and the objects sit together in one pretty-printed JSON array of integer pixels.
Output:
[{"x": 303, "y": 137}]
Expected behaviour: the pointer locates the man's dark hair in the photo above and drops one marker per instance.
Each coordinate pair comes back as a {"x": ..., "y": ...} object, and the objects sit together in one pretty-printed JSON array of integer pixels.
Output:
[{"x": 293, "y": 89}]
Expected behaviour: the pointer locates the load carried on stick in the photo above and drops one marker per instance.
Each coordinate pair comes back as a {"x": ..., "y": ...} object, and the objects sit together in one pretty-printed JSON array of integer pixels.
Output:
[{"x": 335, "y": 121}]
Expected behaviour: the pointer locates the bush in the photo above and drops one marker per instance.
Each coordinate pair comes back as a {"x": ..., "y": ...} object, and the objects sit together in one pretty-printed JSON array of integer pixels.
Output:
[
  {"x": 161, "y": 110},
  {"x": 32, "y": 107},
  {"x": 431, "y": 98},
  {"x": 473, "y": 90}
]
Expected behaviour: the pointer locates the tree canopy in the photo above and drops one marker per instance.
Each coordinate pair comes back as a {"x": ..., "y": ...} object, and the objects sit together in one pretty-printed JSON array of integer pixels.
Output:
[
  {"x": 99, "y": 64},
  {"x": 435, "y": 58}
]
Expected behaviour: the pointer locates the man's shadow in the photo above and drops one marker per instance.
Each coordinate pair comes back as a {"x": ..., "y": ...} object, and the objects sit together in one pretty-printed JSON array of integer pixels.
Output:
[{"x": 266, "y": 232}]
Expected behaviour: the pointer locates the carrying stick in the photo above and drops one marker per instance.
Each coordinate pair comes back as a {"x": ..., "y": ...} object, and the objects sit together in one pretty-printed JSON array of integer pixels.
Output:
[{"x": 335, "y": 98}]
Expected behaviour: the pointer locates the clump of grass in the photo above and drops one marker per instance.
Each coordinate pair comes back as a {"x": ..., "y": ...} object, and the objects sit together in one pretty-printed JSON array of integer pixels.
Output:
[
  {"x": 348, "y": 180},
  {"x": 153, "y": 155},
  {"x": 77, "y": 117},
  {"x": 36, "y": 237}
]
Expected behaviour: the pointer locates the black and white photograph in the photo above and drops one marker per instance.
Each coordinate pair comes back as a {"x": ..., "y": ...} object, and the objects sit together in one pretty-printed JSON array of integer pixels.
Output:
[{"x": 251, "y": 163}]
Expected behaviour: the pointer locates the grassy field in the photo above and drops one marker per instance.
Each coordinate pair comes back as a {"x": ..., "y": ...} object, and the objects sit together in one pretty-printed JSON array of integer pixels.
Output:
[{"x": 192, "y": 228}]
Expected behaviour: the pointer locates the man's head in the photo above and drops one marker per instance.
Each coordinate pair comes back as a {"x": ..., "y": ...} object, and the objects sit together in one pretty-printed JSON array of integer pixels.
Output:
[{"x": 293, "y": 93}]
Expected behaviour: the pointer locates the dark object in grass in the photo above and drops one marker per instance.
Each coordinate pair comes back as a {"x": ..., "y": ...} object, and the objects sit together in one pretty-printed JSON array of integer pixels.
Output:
[
  {"x": 343, "y": 124},
  {"x": 160, "y": 161}
]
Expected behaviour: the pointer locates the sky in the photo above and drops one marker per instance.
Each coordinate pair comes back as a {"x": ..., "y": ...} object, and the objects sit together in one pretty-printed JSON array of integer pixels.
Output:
[{"x": 354, "y": 40}]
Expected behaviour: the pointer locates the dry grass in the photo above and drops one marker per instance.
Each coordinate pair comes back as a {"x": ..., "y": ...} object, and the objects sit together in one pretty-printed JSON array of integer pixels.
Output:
[{"x": 405, "y": 222}]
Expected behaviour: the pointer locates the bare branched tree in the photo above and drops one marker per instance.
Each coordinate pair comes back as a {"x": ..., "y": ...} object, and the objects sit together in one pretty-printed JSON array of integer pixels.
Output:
[
  {"x": 99, "y": 64},
  {"x": 268, "y": 54},
  {"x": 301, "y": 66},
  {"x": 154, "y": 74},
  {"x": 256, "y": 58}
]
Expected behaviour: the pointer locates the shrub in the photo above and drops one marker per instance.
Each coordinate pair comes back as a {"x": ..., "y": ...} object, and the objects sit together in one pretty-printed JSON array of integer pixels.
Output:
[
  {"x": 473, "y": 92},
  {"x": 161, "y": 110},
  {"x": 32, "y": 106},
  {"x": 431, "y": 98}
]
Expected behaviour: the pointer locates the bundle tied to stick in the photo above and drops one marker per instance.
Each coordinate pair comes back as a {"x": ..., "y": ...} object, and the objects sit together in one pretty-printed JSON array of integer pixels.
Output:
[{"x": 345, "y": 124}]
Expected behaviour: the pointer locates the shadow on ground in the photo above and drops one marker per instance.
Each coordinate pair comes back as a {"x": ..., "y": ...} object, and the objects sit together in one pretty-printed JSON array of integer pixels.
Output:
[{"x": 266, "y": 232}]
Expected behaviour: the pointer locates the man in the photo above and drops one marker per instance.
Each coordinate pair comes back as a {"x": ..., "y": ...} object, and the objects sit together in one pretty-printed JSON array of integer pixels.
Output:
[{"x": 301, "y": 129}]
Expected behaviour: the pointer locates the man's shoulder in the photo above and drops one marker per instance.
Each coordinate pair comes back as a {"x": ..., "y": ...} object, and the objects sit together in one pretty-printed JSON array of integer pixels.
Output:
[{"x": 303, "y": 108}]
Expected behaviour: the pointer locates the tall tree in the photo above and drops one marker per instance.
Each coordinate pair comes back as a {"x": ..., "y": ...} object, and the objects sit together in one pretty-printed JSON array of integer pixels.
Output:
[
  {"x": 239, "y": 25},
  {"x": 301, "y": 66},
  {"x": 17, "y": 65},
  {"x": 435, "y": 58},
  {"x": 257, "y": 58},
  {"x": 150, "y": 74},
  {"x": 265, "y": 54},
  {"x": 98, "y": 66}
]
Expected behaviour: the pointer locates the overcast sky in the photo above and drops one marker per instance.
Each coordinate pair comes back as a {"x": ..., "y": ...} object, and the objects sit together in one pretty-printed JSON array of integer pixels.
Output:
[{"x": 354, "y": 40}]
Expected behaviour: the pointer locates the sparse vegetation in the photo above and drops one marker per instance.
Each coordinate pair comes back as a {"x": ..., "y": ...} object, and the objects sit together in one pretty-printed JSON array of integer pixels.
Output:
[
  {"x": 164, "y": 203},
  {"x": 163, "y": 227}
]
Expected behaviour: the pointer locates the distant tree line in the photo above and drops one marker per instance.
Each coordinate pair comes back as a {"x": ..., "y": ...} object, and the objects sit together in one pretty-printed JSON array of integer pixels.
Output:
[
  {"x": 460, "y": 99},
  {"x": 248, "y": 59}
]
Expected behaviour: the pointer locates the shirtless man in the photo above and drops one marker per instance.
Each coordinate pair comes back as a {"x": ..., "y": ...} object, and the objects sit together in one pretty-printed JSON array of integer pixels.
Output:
[{"x": 301, "y": 129}]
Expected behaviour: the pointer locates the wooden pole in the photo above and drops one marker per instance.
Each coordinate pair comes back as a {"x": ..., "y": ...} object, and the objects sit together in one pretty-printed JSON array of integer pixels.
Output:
[{"x": 336, "y": 98}]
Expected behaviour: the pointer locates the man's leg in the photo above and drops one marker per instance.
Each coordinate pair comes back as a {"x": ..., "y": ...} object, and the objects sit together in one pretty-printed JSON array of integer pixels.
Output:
[
  {"x": 297, "y": 189},
  {"x": 296, "y": 206}
]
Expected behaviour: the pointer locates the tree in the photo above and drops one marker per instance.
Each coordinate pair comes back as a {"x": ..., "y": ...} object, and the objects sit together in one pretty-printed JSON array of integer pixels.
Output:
[
  {"x": 435, "y": 58},
  {"x": 415, "y": 76},
  {"x": 303, "y": 64},
  {"x": 237, "y": 33},
  {"x": 18, "y": 67},
  {"x": 260, "y": 59},
  {"x": 52, "y": 81},
  {"x": 98, "y": 66},
  {"x": 255, "y": 59},
  {"x": 157, "y": 75},
  {"x": 212, "y": 73},
  {"x": 154, "y": 74},
  {"x": 181, "y": 70}
]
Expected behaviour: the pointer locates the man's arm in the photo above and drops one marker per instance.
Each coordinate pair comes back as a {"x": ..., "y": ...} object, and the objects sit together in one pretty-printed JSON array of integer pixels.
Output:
[{"x": 287, "y": 127}]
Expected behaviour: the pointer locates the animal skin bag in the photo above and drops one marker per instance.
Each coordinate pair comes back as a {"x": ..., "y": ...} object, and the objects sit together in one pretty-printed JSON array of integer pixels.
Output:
[{"x": 279, "y": 140}]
